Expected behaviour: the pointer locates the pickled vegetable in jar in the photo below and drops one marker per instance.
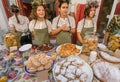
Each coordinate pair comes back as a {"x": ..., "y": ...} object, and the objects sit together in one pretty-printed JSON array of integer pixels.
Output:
[
  {"x": 11, "y": 39},
  {"x": 90, "y": 42},
  {"x": 114, "y": 42}
]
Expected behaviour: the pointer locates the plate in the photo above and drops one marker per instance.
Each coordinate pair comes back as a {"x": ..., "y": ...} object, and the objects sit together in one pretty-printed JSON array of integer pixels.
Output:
[
  {"x": 44, "y": 47},
  {"x": 65, "y": 69},
  {"x": 25, "y": 47},
  {"x": 28, "y": 72},
  {"x": 102, "y": 46},
  {"x": 108, "y": 73},
  {"x": 78, "y": 47}
]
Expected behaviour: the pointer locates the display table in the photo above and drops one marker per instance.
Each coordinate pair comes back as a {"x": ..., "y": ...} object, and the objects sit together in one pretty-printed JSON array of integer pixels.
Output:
[{"x": 44, "y": 76}]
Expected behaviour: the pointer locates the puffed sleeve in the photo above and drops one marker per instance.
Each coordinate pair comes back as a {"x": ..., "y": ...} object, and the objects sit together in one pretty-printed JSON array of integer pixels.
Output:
[
  {"x": 49, "y": 26},
  {"x": 72, "y": 22},
  {"x": 10, "y": 22},
  {"x": 54, "y": 23},
  {"x": 31, "y": 25},
  {"x": 95, "y": 26},
  {"x": 80, "y": 26}
]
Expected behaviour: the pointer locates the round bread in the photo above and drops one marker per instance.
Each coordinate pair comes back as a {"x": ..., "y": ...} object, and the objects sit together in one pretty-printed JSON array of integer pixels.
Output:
[
  {"x": 109, "y": 58},
  {"x": 106, "y": 72}
]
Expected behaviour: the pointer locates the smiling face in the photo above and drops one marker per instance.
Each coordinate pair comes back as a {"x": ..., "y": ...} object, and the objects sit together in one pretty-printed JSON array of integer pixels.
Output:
[
  {"x": 40, "y": 12},
  {"x": 92, "y": 12},
  {"x": 63, "y": 9}
]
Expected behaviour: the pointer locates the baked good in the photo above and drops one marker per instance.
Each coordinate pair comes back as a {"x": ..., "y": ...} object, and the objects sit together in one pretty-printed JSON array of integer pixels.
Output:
[
  {"x": 45, "y": 47},
  {"x": 39, "y": 62},
  {"x": 106, "y": 72},
  {"x": 73, "y": 70},
  {"x": 68, "y": 49},
  {"x": 109, "y": 58},
  {"x": 117, "y": 53}
]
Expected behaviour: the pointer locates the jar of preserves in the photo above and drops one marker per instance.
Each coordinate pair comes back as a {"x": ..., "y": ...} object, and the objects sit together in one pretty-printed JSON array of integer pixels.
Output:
[
  {"x": 114, "y": 42},
  {"x": 90, "y": 42},
  {"x": 11, "y": 39}
]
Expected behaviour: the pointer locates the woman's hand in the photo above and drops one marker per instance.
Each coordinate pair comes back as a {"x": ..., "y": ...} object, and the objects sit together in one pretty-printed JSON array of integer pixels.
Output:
[{"x": 65, "y": 28}]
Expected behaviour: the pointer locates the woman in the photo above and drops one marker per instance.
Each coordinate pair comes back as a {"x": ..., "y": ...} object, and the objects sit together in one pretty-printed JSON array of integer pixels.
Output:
[
  {"x": 20, "y": 23},
  {"x": 63, "y": 25},
  {"x": 39, "y": 26},
  {"x": 112, "y": 29},
  {"x": 87, "y": 24}
]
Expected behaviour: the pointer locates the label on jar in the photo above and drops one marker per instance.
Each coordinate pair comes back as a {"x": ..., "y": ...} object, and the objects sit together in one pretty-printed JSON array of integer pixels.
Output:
[{"x": 13, "y": 48}]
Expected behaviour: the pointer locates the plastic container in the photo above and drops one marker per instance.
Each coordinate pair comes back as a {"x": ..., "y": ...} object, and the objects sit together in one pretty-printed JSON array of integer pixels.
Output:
[
  {"x": 11, "y": 39},
  {"x": 90, "y": 42},
  {"x": 114, "y": 42}
]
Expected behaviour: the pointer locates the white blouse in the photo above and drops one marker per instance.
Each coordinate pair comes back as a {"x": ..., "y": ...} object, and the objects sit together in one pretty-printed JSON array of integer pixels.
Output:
[
  {"x": 87, "y": 24},
  {"x": 40, "y": 25},
  {"x": 58, "y": 21},
  {"x": 23, "y": 26}
]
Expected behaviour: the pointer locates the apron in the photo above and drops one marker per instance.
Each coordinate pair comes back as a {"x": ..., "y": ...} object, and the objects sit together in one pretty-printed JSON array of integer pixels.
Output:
[
  {"x": 85, "y": 30},
  {"x": 41, "y": 36},
  {"x": 63, "y": 36}
]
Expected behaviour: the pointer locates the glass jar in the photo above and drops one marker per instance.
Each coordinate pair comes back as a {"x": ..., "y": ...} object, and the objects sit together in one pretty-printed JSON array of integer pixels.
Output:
[
  {"x": 90, "y": 42},
  {"x": 114, "y": 42},
  {"x": 11, "y": 39}
]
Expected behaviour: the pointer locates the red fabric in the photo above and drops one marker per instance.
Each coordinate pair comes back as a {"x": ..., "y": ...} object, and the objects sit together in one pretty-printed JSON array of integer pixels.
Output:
[
  {"x": 79, "y": 15},
  {"x": 79, "y": 12},
  {"x": 117, "y": 10},
  {"x": 56, "y": 7},
  {"x": 5, "y": 5},
  {"x": 20, "y": 3}
]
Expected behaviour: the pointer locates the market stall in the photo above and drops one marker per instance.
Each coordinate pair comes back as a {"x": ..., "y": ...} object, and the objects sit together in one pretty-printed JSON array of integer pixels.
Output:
[{"x": 64, "y": 63}]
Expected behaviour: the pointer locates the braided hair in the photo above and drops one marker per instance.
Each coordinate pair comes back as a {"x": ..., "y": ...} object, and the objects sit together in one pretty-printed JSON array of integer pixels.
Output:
[{"x": 15, "y": 10}]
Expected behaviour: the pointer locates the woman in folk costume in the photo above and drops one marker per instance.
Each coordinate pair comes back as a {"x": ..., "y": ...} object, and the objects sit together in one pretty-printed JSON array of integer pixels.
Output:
[
  {"x": 63, "y": 25},
  {"x": 87, "y": 24},
  {"x": 111, "y": 30},
  {"x": 39, "y": 26},
  {"x": 19, "y": 22}
]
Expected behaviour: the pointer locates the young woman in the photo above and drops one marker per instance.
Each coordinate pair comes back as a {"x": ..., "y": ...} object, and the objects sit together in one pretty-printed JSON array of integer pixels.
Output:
[
  {"x": 112, "y": 29},
  {"x": 39, "y": 26},
  {"x": 20, "y": 23},
  {"x": 63, "y": 25},
  {"x": 87, "y": 24}
]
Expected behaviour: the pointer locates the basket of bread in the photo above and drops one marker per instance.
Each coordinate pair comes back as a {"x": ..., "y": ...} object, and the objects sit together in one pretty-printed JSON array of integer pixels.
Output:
[{"x": 68, "y": 49}]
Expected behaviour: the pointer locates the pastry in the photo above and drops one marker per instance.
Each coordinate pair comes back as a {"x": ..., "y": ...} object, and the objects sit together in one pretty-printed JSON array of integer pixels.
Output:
[
  {"x": 106, "y": 72},
  {"x": 109, "y": 58},
  {"x": 79, "y": 71}
]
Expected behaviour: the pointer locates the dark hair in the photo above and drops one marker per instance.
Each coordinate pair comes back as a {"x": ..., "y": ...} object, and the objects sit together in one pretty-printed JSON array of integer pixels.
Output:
[
  {"x": 89, "y": 6},
  {"x": 61, "y": 2},
  {"x": 33, "y": 14},
  {"x": 15, "y": 10}
]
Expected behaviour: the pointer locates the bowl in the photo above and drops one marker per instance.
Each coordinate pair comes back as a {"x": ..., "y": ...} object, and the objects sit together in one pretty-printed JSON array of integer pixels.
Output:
[{"x": 25, "y": 47}]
